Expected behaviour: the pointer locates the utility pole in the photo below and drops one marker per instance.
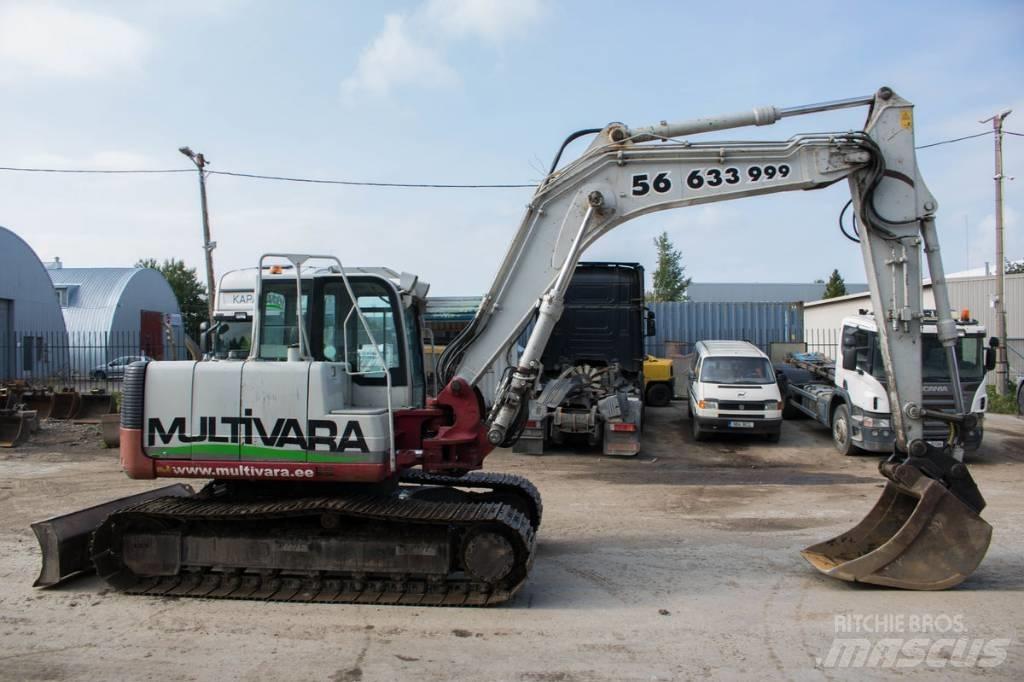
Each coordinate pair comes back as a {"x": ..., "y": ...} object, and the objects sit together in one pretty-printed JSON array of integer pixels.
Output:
[
  {"x": 208, "y": 246},
  {"x": 1002, "y": 370}
]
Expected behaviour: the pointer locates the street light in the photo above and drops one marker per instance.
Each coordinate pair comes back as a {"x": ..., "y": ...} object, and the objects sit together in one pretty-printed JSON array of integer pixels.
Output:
[{"x": 208, "y": 246}]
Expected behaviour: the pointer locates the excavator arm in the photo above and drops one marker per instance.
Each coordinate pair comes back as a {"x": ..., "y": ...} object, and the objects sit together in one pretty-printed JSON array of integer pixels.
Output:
[{"x": 626, "y": 173}]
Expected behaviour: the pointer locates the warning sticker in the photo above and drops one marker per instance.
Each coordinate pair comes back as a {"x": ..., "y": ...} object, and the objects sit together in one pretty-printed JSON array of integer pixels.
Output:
[{"x": 907, "y": 119}]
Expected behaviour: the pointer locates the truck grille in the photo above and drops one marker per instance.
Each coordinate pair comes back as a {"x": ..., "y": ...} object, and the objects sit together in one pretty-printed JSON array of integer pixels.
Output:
[
  {"x": 738, "y": 405},
  {"x": 944, "y": 401}
]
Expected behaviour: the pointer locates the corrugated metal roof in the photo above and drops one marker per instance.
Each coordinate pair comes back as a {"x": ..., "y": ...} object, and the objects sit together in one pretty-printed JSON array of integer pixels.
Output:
[
  {"x": 452, "y": 308},
  {"x": 93, "y": 295},
  {"x": 109, "y": 299},
  {"x": 760, "y": 292}
]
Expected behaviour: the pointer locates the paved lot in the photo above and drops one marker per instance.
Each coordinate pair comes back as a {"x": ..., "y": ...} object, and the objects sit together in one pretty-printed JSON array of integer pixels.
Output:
[{"x": 683, "y": 562}]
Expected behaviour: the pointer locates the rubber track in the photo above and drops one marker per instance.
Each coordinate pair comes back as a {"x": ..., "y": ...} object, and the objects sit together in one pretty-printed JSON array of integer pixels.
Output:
[
  {"x": 483, "y": 479},
  {"x": 410, "y": 590}
]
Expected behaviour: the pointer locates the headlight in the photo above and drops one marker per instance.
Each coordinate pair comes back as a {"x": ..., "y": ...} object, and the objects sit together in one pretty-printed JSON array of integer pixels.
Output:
[
  {"x": 876, "y": 423},
  {"x": 773, "y": 404},
  {"x": 708, "y": 404}
]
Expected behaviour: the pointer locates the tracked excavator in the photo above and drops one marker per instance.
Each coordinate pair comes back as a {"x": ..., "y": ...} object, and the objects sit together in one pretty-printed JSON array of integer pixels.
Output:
[{"x": 334, "y": 479}]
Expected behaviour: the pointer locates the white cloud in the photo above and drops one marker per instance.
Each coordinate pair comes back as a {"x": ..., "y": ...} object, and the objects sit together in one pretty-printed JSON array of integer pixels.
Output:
[
  {"x": 410, "y": 50},
  {"x": 41, "y": 39},
  {"x": 492, "y": 20},
  {"x": 396, "y": 58}
]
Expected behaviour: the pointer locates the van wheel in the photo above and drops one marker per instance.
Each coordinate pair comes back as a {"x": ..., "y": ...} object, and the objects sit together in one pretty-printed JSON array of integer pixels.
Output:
[
  {"x": 659, "y": 395},
  {"x": 699, "y": 434},
  {"x": 841, "y": 435}
]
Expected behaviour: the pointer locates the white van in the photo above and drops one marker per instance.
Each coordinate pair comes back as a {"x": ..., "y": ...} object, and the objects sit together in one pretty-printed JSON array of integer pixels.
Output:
[{"x": 733, "y": 389}]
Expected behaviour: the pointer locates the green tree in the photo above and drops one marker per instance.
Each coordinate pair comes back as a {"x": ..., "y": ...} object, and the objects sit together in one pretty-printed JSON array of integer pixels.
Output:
[
  {"x": 187, "y": 288},
  {"x": 669, "y": 282},
  {"x": 835, "y": 285}
]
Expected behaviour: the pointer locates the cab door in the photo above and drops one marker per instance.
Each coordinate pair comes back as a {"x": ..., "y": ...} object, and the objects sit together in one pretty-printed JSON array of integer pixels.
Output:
[{"x": 274, "y": 390}]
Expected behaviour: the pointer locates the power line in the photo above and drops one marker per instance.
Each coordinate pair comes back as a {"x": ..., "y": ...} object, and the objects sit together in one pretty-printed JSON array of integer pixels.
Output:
[
  {"x": 255, "y": 176},
  {"x": 955, "y": 139},
  {"x": 354, "y": 183},
  {"x": 93, "y": 170}
]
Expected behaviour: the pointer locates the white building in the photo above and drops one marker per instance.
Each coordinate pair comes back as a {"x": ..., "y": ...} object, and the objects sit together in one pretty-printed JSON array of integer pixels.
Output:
[{"x": 973, "y": 293}]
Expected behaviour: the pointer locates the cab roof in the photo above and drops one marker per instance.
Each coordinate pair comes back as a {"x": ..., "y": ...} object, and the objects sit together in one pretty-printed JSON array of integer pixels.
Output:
[{"x": 731, "y": 348}]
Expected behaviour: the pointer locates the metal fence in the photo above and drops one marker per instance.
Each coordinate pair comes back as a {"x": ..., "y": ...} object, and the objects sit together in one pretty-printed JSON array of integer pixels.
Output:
[{"x": 84, "y": 360}]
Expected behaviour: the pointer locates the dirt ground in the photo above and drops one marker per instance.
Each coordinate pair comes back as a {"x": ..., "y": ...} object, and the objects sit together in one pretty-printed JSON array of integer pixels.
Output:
[{"x": 683, "y": 562}]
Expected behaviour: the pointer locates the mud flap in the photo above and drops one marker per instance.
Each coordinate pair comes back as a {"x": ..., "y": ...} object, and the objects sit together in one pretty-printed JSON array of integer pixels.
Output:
[
  {"x": 64, "y": 540},
  {"x": 918, "y": 536}
]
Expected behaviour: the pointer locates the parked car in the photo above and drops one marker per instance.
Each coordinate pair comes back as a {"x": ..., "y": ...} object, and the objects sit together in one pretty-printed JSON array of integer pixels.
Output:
[
  {"x": 733, "y": 389},
  {"x": 1020, "y": 396},
  {"x": 115, "y": 368}
]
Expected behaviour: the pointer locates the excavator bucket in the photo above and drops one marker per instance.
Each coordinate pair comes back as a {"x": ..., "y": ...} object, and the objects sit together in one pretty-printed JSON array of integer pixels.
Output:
[
  {"x": 918, "y": 536},
  {"x": 65, "y": 405},
  {"x": 14, "y": 429},
  {"x": 42, "y": 403},
  {"x": 110, "y": 430},
  {"x": 92, "y": 406},
  {"x": 64, "y": 540}
]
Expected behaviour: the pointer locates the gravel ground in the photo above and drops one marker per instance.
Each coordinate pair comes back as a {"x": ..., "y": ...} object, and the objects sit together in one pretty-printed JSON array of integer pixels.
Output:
[{"x": 682, "y": 562}]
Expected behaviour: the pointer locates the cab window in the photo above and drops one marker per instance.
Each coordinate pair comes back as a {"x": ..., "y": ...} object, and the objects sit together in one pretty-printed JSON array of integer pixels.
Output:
[
  {"x": 340, "y": 331},
  {"x": 278, "y": 326}
]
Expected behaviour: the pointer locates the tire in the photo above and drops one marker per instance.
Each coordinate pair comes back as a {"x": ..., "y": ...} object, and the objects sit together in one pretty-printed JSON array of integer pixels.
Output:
[
  {"x": 841, "y": 431},
  {"x": 788, "y": 411},
  {"x": 773, "y": 436},
  {"x": 1020, "y": 399},
  {"x": 699, "y": 434},
  {"x": 659, "y": 395}
]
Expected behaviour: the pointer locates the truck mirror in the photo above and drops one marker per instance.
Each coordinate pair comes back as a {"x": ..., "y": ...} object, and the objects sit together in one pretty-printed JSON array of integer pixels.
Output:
[
  {"x": 651, "y": 328},
  {"x": 993, "y": 342},
  {"x": 990, "y": 356}
]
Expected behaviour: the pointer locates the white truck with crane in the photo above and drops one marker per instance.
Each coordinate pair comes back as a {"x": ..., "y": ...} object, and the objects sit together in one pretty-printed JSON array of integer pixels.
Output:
[
  {"x": 336, "y": 480},
  {"x": 849, "y": 395}
]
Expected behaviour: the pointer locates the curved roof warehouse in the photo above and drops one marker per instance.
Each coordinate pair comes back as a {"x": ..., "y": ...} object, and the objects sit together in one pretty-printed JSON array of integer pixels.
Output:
[
  {"x": 115, "y": 312},
  {"x": 32, "y": 334}
]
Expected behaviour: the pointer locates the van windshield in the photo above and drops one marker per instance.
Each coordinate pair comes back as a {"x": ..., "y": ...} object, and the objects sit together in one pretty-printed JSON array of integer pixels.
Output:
[{"x": 736, "y": 370}]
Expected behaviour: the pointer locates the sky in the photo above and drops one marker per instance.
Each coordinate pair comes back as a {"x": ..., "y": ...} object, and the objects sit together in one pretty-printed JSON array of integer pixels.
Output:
[{"x": 472, "y": 92}]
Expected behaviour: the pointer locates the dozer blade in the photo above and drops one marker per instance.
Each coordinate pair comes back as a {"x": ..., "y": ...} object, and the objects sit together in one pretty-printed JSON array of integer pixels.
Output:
[
  {"x": 918, "y": 536},
  {"x": 14, "y": 429},
  {"x": 64, "y": 540}
]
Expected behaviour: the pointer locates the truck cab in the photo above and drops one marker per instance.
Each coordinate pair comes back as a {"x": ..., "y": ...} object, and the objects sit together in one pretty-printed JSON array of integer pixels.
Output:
[
  {"x": 733, "y": 389},
  {"x": 850, "y": 396}
]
